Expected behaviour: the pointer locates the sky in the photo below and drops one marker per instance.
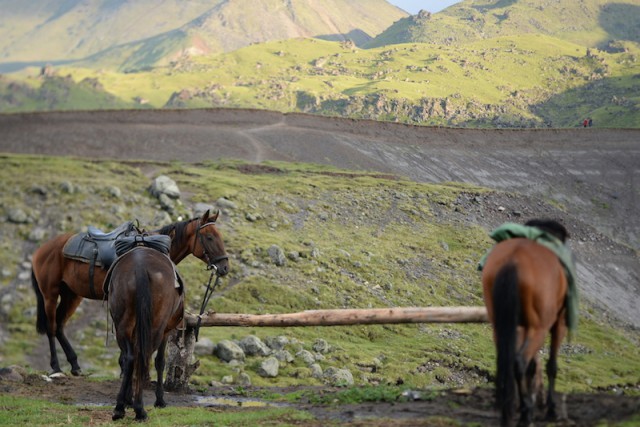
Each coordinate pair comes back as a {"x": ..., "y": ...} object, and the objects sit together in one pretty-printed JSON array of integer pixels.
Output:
[{"x": 414, "y": 6}]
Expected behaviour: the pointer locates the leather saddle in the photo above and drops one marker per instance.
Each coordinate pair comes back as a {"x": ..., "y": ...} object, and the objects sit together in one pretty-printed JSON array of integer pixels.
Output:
[{"x": 97, "y": 247}]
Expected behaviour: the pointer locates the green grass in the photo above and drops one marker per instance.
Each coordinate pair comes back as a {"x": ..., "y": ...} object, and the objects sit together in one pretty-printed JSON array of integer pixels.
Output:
[{"x": 18, "y": 410}]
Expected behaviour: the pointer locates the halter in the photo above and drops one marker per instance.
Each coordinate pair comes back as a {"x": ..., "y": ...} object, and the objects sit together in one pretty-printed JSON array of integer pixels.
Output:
[{"x": 211, "y": 261}]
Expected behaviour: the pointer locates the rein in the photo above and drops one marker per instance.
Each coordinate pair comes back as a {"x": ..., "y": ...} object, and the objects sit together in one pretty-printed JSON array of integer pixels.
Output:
[
  {"x": 205, "y": 300},
  {"x": 211, "y": 265}
]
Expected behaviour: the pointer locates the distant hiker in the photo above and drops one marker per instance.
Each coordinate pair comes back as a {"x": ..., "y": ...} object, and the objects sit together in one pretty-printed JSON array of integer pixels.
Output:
[
  {"x": 590, "y": 121},
  {"x": 585, "y": 123}
]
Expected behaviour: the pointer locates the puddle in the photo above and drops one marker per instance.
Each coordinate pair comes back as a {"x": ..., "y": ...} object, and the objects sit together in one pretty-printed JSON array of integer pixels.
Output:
[{"x": 238, "y": 402}]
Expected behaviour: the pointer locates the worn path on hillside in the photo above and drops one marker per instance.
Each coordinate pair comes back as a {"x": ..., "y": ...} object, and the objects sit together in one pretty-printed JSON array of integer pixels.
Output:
[{"x": 594, "y": 174}]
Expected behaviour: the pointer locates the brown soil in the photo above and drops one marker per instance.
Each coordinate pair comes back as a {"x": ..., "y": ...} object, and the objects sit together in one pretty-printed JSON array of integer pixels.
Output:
[{"x": 463, "y": 406}]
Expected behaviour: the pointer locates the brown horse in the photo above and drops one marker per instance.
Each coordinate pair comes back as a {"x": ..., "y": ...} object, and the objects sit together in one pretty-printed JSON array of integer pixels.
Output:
[
  {"x": 146, "y": 303},
  {"x": 61, "y": 283},
  {"x": 525, "y": 291}
]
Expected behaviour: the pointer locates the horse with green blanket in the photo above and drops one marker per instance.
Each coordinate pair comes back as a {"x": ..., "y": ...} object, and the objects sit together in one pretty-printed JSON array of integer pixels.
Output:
[{"x": 528, "y": 281}]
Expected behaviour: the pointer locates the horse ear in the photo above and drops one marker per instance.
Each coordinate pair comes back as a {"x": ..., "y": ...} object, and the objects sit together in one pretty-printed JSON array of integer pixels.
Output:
[{"x": 214, "y": 217}]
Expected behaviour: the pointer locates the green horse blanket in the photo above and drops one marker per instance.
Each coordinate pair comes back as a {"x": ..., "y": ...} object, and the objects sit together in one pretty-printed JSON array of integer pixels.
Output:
[{"x": 510, "y": 230}]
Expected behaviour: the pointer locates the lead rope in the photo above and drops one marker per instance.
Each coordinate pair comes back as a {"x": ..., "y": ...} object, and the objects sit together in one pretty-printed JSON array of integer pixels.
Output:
[
  {"x": 205, "y": 300},
  {"x": 105, "y": 298}
]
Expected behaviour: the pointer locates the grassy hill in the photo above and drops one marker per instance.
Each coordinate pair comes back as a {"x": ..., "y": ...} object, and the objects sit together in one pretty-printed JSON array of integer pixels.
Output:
[
  {"x": 591, "y": 23},
  {"x": 513, "y": 81},
  {"x": 352, "y": 240}
]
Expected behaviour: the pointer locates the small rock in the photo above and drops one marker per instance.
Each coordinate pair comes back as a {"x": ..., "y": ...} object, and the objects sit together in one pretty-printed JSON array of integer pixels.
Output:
[
  {"x": 244, "y": 379},
  {"x": 204, "y": 347},
  {"x": 277, "y": 255},
  {"x": 338, "y": 376},
  {"x": 164, "y": 185},
  {"x": 223, "y": 203},
  {"x": 17, "y": 216},
  {"x": 10, "y": 374},
  {"x": 252, "y": 345},
  {"x": 67, "y": 187},
  {"x": 283, "y": 356},
  {"x": 269, "y": 368},
  {"x": 321, "y": 346},
  {"x": 306, "y": 356},
  {"x": 316, "y": 370},
  {"x": 277, "y": 343},
  {"x": 228, "y": 350}
]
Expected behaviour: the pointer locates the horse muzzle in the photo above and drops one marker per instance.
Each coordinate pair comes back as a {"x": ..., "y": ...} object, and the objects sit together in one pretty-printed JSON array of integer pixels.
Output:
[{"x": 220, "y": 265}]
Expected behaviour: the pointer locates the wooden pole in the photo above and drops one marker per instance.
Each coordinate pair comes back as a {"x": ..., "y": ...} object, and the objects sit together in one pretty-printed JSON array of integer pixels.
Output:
[{"x": 374, "y": 316}]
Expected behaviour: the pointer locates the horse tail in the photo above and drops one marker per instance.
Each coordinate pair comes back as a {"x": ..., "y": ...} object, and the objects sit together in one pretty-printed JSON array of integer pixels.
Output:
[
  {"x": 506, "y": 307},
  {"x": 41, "y": 317},
  {"x": 143, "y": 323}
]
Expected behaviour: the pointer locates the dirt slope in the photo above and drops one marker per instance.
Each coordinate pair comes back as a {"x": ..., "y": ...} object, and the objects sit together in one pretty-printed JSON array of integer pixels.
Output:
[{"x": 592, "y": 174}]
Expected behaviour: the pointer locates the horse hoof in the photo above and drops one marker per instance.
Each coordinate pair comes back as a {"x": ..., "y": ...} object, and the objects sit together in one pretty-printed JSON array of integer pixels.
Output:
[
  {"x": 117, "y": 415},
  {"x": 141, "y": 417},
  {"x": 76, "y": 372},
  {"x": 160, "y": 404}
]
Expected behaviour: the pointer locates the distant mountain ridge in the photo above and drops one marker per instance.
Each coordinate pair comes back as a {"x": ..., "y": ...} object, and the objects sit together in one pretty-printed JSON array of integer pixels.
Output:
[{"x": 151, "y": 32}]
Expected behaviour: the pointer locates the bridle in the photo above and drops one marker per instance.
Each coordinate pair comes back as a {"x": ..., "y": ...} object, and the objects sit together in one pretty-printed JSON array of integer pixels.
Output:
[{"x": 211, "y": 261}]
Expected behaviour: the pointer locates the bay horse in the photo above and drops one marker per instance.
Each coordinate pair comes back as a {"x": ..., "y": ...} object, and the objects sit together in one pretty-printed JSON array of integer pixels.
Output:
[
  {"x": 60, "y": 283},
  {"x": 525, "y": 287},
  {"x": 146, "y": 303}
]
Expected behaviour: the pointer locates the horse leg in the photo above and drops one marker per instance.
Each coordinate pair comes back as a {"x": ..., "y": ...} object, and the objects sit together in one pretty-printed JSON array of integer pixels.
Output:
[
  {"x": 138, "y": 403},
  {"x": 138, "y": 389},
  {"x": 50, "y": 310},
  {"x": 526, "y": 367},
  {"x": 522, "y": 368},
  {"x": 558, "y": 332},
  {"x": 538, "y": 385},
  {"x": 121, "y": 363},
  {"x": 69, "y": 302},
  {"x": 159, "y": 362},
  {"x": 127, "y": 359}
]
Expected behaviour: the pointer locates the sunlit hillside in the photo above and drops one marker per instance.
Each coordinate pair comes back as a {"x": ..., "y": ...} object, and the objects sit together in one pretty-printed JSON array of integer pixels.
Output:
[{"x": 519, "y": 81}]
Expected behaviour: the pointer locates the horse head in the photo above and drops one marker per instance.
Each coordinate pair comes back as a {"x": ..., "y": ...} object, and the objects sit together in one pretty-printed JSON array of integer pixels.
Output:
[
  {"x": 550, "y": 226},
  {"x": 209, "y": 245}
]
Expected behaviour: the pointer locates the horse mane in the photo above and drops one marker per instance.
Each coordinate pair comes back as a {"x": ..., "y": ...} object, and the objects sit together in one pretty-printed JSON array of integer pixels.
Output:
[
  {"x": 180, "y": 229},
  {"x": 550, "y": 226}
]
